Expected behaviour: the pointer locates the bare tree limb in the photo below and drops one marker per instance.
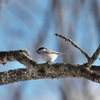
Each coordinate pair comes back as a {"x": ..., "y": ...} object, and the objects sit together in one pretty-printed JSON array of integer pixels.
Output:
[
  {"x": 92, "y": 59},
  {"x": 36, "y": 70},
  {"x": 58, "y": 71},
  {"x": 69, "y": 40},
  {"x": 18, "y": 55}
]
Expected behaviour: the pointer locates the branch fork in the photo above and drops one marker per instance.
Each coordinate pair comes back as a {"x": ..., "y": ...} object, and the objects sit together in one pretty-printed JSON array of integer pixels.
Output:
[{"x": 92, "y": 59}]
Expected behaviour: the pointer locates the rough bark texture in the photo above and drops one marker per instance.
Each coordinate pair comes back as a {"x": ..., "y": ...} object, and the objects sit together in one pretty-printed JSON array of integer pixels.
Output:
[
  {"x": 35, "y": 70},
  {"x": 57, "y": 71}
]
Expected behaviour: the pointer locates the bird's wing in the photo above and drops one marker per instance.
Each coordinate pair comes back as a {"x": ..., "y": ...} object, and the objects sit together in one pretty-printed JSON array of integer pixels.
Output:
[{"x": 53, "y": 52}]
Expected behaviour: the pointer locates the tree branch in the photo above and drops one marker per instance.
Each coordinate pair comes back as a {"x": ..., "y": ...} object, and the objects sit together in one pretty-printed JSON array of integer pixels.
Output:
[
  {"x": 58, "y": 71},
  {"x": 91, "y": 60},
  {"x": 21, "y": 56},
  {"x": 69, "y": 40},
  {"x": 36, "y": 70}
]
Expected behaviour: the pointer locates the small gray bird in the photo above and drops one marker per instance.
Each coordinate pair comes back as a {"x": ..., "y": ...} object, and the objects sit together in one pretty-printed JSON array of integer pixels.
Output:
[{"x": 48, "y": 55}]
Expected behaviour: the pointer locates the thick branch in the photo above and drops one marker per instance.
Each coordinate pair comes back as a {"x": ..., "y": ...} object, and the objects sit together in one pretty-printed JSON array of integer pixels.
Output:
[
  {"x": 69, "y": 40},
  {"x": 56, "y": 71},
  {"x": 20, "y": 56}
]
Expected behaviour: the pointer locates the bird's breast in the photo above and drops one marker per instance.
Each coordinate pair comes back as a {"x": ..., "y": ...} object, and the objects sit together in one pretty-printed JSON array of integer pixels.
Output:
[{"x": 48, "y": 57}]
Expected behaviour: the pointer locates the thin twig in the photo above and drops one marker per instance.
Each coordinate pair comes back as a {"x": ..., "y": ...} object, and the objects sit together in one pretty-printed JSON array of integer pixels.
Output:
[{"x": 69, "y": 40}]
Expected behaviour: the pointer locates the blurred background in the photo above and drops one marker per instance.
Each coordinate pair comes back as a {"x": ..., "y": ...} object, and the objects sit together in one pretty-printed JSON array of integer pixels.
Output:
[{"x": 30, "y": 24}]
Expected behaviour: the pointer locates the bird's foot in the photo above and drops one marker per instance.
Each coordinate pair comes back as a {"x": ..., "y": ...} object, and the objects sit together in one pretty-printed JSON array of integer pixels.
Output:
[{"x": 48, "y": 63}]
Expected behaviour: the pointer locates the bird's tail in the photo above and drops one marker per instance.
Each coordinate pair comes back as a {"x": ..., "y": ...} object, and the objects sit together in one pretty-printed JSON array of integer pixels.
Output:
[{"x": 64, "y": 53}]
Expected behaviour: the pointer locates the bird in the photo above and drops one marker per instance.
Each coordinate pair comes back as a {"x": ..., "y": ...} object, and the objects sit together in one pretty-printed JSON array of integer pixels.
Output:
[{"x": 48, "y": 55}]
